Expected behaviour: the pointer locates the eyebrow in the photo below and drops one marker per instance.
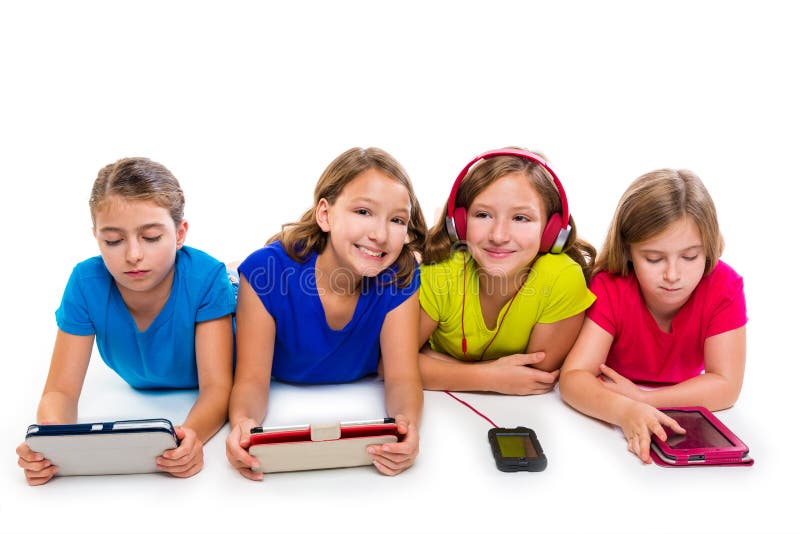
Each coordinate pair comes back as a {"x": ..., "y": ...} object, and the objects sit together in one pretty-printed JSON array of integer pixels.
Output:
[
  {"x": 139, "y": 229},
  {"x": 369, "y": 200},
  {"x": 519, "y": 207},
  {"x": 654, "y": 251}
]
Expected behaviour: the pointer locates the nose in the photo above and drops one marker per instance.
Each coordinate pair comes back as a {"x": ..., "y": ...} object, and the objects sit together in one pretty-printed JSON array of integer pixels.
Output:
[
  {"x": 378, "y": 232},
  {"x": 133, "y": 254},
  {"x": 671, "y": 272},
  {"x": 499, "y": 232}
]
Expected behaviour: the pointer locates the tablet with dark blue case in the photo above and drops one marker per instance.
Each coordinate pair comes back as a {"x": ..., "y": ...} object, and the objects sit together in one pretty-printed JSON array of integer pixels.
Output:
[{"x": 109, "y": 448}]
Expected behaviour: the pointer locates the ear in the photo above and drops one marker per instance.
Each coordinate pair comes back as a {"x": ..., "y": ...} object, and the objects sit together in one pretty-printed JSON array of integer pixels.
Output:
[
  {"x": 322, "y": 213},
  {"x": 180, "y": 234}
]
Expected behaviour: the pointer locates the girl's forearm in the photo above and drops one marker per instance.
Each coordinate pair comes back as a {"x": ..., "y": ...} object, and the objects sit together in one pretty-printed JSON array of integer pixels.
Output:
[
  {"x": 404, "y": 397},
  {"x": 441, "y": 372},
  {"x": 209, "y": 412},
  {"x": 248, "y": 401},
  {"x": 582, "y": 390},
  {"x": 57, "y": 408},
  {"x": 711, "y": 390}
]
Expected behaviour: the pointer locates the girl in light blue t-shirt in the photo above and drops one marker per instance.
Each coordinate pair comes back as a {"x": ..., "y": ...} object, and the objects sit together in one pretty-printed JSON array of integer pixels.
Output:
[{"x": 159, "y": 311}]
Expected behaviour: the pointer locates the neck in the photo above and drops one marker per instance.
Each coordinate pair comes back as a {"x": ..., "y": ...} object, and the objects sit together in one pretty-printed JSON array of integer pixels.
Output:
[
  {"x": 333, "y": 277},
  {"x": 150, "y": 300}
]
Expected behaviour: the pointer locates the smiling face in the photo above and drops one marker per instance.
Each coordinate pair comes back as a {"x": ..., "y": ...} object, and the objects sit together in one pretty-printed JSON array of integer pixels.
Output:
[
  {"x": 138, "y": 240},
  {"x": 669, "y": 266},
  {"x": 367, "y": 225},
  {"x": 504, "y": 227}
]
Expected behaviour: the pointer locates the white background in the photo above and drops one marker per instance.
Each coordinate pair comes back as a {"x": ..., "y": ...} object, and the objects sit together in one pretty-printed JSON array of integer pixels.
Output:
[{"x": 247, "y": 102}]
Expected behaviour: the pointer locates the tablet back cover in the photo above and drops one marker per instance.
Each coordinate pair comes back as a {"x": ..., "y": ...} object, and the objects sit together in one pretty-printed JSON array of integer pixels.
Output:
[{"x": 104, "y": 453}]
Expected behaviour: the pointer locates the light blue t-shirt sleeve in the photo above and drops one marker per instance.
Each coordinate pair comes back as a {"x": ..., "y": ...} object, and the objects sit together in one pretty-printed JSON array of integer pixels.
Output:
[
  {"x": 72, "y": 316},
  {"x": 219, "y": 299}
]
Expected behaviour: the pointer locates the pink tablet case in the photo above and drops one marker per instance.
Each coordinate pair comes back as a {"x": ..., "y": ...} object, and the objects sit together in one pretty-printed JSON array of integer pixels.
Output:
[{"x": 707, "y": 441}]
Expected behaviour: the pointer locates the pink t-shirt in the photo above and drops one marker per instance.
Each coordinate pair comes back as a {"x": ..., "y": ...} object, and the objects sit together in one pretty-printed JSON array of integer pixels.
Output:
[{"x": 641, "y": 351}]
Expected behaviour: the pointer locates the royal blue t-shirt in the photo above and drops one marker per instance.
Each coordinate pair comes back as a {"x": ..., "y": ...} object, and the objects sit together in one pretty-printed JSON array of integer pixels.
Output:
[
  {"x": 163, "y": 356},
  {"x": 307, "y": 350}
]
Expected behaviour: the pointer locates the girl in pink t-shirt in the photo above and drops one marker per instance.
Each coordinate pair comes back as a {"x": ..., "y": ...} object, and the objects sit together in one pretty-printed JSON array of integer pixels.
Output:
[{"x": 667, "y": 310}]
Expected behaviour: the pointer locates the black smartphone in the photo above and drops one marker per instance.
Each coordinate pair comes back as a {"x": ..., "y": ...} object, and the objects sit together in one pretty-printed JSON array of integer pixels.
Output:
[{"x": 516, "y": 449}]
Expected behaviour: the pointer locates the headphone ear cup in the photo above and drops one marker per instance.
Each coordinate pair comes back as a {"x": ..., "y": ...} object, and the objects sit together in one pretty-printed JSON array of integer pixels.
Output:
[
  {"x": 551, "y": 231},
  {"x": 460, "y": 220}
]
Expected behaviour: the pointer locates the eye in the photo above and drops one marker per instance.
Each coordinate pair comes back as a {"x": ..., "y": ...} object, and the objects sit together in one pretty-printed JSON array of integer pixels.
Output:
[
  {"x": 521, "y": 218},
  {"x": 399, "y": 220},
  {"x": 652, "y": 260},
  {"x": 113, "y": 243},
  {"x": 481, "y": 215},
  {"x": 691, "y": 258},
  {"x": 154, "y": 239},
  {"x": 361, "y": 211}
]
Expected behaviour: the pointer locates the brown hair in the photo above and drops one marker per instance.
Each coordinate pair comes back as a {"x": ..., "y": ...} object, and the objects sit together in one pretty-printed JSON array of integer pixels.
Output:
[
  {"x": 439, "y": 247},
  {"x": 303, "y": 236},
  {"x": 138, "y": 179},
  {"x": 650, "y": 204}
]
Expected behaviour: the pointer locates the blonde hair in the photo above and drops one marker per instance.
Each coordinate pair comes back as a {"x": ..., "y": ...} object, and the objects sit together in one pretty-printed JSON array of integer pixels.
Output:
[
  {"x": 439, "y": 247},
  {"x": 302, "y": 237},
  {"x": 650, "y": 204},
  {"x": 138, "y": 179}
]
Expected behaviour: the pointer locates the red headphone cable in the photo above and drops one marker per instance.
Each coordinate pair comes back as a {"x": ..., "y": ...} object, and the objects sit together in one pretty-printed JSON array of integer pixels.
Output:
[{"x": 468, "y": 405}]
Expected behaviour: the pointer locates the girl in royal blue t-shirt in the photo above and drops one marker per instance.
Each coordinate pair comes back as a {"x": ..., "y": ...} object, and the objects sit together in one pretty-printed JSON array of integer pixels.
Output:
[
  {"x": 331, "y": 295},
  {"x": 159, "y": 311}
]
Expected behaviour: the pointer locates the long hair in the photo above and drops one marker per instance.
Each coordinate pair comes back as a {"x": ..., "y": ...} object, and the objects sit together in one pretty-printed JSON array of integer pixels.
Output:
[
  {"x": 302, "y": 237},
  {"x": 650, "y": 204},
  {"x": 138, "y": 179},
  {"x": 439, "y": 247}
]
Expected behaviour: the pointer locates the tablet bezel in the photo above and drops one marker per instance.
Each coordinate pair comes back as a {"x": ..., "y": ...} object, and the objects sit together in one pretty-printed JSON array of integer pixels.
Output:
[{"x": 736, "y": 452}]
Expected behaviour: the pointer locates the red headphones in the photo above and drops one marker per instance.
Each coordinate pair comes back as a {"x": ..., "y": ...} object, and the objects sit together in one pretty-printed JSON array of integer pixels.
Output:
[{"x": 556, "y": 231}]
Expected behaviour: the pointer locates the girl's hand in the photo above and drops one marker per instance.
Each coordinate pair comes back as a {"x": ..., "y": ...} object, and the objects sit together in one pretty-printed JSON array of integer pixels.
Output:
[
  {"x": 639, "y": 421},
  {"x": 38, "y": 469},
  {"x": 187, "y": 459},
  {"x": 617, "y": 383},
  {"x": 514, "y": 375},
  {"x": 235, "y": 449},
  {"x": 393, "y": 458}
]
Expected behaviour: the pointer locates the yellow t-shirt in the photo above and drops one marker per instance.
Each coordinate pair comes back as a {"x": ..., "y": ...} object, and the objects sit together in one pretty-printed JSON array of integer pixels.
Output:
[{"x": 555, "y": 290}]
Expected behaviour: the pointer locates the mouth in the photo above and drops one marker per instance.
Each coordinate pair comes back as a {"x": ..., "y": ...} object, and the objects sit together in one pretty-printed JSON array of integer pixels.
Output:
[
  {"x": 498, "y": 252},
  {"x": 136, "y": 274},
  {"x": 372, "y": 253},
  {"x": 670, "y": 289}
]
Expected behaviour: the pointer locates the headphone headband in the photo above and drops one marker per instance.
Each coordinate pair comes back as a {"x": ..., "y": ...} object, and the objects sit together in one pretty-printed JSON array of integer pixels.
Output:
[{"x": 561, "y": 229}]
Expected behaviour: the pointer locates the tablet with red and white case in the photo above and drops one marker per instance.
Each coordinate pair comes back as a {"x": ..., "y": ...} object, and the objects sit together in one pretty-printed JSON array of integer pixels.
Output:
[{"x": 319, "y": 446}]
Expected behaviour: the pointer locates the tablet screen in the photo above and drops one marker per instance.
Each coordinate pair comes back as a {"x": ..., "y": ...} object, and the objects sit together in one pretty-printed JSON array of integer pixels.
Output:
[
  {"x": 516, "y": 446},
  {"x": 700, "y": 433}
]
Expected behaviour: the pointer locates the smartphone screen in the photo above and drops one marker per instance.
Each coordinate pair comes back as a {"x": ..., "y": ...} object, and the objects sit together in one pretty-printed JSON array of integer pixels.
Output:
[
  {"x": 516, "y": 446},
  {"x": 700, "y": 433}
]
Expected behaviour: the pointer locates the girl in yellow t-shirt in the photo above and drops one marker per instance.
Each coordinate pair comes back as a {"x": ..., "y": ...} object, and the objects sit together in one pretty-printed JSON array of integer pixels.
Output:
[{"x": 503, "y": 278}]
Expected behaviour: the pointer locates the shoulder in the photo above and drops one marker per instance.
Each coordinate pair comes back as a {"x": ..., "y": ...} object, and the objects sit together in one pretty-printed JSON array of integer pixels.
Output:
[
  {"x": 608, "y": 284},
  {"x": 90, "y": 270},
  {"x": 195, "y": 260},
  {"x": 555, "y": 264},
  {"x": 442, "y": 274},
  {"x": 270, "y": 254},
  {"x": 556, "y": 270},
  {"x": 723, "y": 279}
]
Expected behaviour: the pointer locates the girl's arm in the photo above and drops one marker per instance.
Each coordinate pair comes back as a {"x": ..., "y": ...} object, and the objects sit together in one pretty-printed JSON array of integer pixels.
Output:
[
  {"x": 716, "y": 389},
  {"x": 214, "y": 348},
  {"x": 403, "y": 387},
  {"x": 582, "y": 388},
  {"x": 255, "y": 343},
  {"x": 59, "y": 403},
  {"x": 555, "y": 340},
  {"x": 511, "y": 374}
]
